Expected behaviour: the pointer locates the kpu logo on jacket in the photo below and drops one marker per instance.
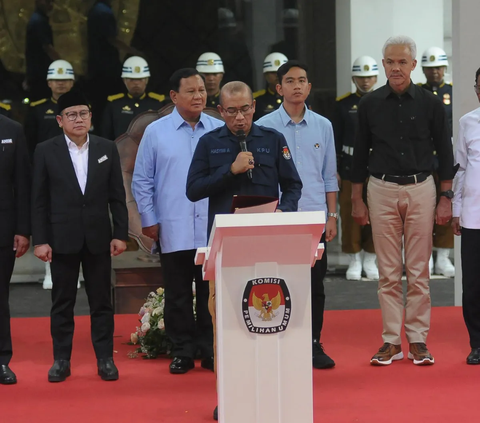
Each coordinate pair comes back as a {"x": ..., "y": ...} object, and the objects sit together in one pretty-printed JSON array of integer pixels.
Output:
[{"x": 266, "y": 305}]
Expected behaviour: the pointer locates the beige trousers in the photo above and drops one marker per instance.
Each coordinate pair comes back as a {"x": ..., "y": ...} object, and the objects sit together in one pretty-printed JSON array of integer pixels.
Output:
[
  {"x": 408, "y": 211},
  {"x": 212, "y": 310}
]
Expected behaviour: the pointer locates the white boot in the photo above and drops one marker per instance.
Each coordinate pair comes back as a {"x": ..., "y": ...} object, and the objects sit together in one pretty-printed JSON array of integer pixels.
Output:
[
  {"x": 443, "y": 265},
  {"x": 430, "y": 265},
  {"x": 369, "y": 265},
  {"x": 354, "y": 271},
  {"x": 47, "y": 282}
]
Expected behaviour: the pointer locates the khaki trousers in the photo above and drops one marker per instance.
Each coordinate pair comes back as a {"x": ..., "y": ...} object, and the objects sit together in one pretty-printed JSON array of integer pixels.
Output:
[
  {"x": 212, "y": 310},
  {"x": 408, "y": 211},
  {"x": 355, "y": 238}
]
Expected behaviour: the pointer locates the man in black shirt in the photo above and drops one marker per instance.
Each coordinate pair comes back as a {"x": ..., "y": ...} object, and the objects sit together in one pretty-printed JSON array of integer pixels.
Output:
[{"x": 400, "y": 126}]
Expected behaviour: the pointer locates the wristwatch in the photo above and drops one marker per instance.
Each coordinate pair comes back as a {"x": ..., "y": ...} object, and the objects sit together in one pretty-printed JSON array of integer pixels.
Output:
[
  {"x": 448, "y": 194},
  {"x": 334, "y": 215}
]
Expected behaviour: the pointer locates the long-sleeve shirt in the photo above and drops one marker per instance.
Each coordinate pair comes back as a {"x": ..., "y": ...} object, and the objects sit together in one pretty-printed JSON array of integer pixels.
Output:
[
  {"x": 313, "y": 151},
  {"x": 210, "y": 177},
  {"x": 466, "y": 201},
  {"x": 159, "y": 180},
  {"x": 402, "y": 132}
]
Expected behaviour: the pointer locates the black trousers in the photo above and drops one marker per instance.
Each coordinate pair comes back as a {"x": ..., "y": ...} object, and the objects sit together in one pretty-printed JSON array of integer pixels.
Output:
[
  {"x": 97, "y": 275},
  {"x": 7, "y": 260},
  {"x": 186, "y": 334},
  {"x": 470, "y": 244},
  {"x": 318, "y": 293}
]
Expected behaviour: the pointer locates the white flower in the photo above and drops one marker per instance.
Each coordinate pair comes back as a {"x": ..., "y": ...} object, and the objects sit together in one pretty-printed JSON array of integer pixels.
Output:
[
  {"x": 161, "y": 324},
  {"x": 160, "y": 291},
  {"x": 158, "y": 310},
  {"x": 146, "y": 318},
  {"x": 145, "y": 327}
]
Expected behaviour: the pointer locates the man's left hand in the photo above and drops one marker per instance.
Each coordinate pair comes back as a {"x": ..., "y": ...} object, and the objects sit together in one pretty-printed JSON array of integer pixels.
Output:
[
  {"x": 20, "y": 245},
  {"x": 330, "y": 229},
  {"x": 444, "y": 211},
  {"x": 117, "y": 247}
]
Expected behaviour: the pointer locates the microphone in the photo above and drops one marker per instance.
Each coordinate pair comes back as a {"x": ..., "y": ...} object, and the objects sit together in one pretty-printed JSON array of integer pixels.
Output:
[{"x": 240, "y": 134}]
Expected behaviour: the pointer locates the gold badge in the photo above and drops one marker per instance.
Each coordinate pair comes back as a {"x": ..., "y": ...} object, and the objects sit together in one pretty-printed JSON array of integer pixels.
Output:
[
  {"x": 366, "y": 68},
  {"x": 49, "y": 112},
  {"x": 60, "y": 71},
  {"x": 432, "y": 58},
  {"x": 354, "y": 107},
  {"x": 446, "y": 99},
  {"x": 269, "y": 106},
  {"x": 137, "y": 105},
  {"x": 279, "y": 100},
  {"x": 126, "y": 108},
  {"x": 210, "y": 62},
  {"x": 137, "y": 69},
  {"x": 277, "y": 62}
]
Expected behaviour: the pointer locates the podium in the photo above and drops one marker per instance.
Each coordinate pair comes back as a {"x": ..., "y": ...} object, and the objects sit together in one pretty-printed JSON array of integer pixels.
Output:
[{"x": 261, "y": 266}]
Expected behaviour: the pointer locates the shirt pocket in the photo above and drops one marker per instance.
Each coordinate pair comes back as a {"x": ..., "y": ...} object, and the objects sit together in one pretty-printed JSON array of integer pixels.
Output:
[{"x": 265, "y": 171}]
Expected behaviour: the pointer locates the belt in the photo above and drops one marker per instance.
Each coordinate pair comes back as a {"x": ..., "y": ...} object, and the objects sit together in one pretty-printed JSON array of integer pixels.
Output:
[
  {"x": 348, "y": 150},
  {"x": 403, "y": 180}
]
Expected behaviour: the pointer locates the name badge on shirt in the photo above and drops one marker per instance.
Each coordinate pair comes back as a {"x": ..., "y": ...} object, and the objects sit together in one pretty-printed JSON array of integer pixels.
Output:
[
  {"x": 102, "y": 159},
  {"x": 7, "y": 141}
]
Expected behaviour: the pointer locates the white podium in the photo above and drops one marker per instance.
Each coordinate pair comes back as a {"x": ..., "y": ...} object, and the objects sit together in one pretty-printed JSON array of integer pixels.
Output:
[{"x": 261, "y": 266}]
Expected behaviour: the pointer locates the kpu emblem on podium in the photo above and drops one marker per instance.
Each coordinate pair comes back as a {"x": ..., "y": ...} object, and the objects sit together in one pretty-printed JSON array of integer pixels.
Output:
[{"x": 266, "y": 305}]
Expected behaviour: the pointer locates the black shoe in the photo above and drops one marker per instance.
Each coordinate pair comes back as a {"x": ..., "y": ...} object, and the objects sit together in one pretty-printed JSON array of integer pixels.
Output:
[
  {"x": 107, "y": 369},
  {"x": 181, "y": 365},
  {"x": 215, "y": 413},
  {"x": 474, "y": 356},
  {"x": 320, "y": 359},
  {"x": 207, "y": 363},
  {"x": 59, "y": 371},
  {"x": 7, "y": 377}
]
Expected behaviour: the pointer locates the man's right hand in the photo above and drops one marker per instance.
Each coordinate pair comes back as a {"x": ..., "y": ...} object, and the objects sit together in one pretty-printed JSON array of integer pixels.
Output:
[
  {"x": 457, "y": 229},
  {"x": 43, "y": 252},
  {"x": 151, "y": 231},
  {"x": 360, "y": 212},
  {"x": 242, "y": 163}
]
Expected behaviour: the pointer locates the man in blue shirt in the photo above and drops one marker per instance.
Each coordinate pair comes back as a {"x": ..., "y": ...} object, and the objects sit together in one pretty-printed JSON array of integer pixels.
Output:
[
  {"x": 310, "y": 137},
  {"x": 171, "y": 219}
]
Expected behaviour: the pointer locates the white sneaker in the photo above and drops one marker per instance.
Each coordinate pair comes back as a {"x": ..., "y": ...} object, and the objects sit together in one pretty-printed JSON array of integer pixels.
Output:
[
  {"x": 369, "y": 266},
  {"x": 443, "y": 265},
  {"x": 430, "y": 265},
  {"x": 354, "y": 271}
]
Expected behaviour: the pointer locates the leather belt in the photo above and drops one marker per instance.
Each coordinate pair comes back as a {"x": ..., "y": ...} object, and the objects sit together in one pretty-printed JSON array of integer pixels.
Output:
[
  {"x": 348, "y": 150},
  {"x": 403, "y": 180}
]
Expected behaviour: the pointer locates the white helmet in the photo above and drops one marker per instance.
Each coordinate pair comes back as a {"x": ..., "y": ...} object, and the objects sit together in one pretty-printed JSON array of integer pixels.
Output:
[
  {"x": 60, "y": 69},
  {"x": 135, "y": 68},
  {"x": 273, "y": 61},
  {"x": 434, "y": 57},
  {"x": 365, "y": 66},
  {"x": 210, "y": 63}
]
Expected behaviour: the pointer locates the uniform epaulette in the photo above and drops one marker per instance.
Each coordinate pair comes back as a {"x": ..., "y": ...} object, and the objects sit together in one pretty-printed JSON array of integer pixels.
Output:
[
  {"x": 259, "y": 93},
  {"x": 5, "y": 106},
  {"x": 115, "y": 97},
  {"x": 155, "y": 96},
  {"x": 420, "y": 84},
  {"x": 343, "y": 96},
  {"x": 36, "y": 103}
]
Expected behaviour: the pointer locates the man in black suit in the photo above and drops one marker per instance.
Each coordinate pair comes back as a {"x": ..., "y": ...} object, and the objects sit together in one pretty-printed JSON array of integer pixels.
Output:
[
  {"x": 15, "y": 180},
  {"x": 77, "y": 181}
]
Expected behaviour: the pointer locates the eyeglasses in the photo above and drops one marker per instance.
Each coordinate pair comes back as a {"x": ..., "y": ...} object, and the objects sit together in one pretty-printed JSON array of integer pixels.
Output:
[
  {"x": 477, "y": 88},
  {"x": 233, "y": 111},
  {"x": 72, "y": 116}
]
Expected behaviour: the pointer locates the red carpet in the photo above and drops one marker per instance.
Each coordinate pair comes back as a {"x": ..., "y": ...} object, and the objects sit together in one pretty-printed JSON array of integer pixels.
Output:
[{"x": 352, "y": 392}]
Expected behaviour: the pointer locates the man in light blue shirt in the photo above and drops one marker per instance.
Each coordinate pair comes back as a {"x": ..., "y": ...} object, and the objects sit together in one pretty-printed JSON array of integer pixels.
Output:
[
  {"x": 178, "y": 225},
  {"x": 310, "y": 138}
]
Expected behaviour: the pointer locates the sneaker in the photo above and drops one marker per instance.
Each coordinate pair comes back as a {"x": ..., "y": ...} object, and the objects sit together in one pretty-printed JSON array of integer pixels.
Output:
[
  {"x": 320, "y": 359},
  {"x": 430, "y": 266},
  {"x": 354, "y": 271},
  {"x": 369, "y": 266},
  {"x": 443, "y": 265},
  {"x": 386, "y": 354},
  {"x": 420, "y": 354}
]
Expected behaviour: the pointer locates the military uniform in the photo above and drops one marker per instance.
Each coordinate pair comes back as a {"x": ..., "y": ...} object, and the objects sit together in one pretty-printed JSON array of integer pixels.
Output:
[
  {"x": 213, "y": 101},
  {"x": 5, "y": 110},
  {"x": 444, "y": 91},
  {"x": 122, "y": 108},
  {"x": 355, "y": 238},
  {"x": 41, "y": 123},
  {"x": 266, "y": 101}
]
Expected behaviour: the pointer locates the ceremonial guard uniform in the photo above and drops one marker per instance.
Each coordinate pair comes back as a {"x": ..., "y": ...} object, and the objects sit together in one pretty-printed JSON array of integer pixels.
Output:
[{"x": 5, "y": 109}]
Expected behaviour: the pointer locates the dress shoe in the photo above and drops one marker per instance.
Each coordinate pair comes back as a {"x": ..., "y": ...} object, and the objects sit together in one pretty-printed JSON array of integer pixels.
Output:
[
  {"x": 7, "y": 377},
  {"x": 474, "y": 356},
  {"x": 59, "y": 371},
  {"x": 107, "y": 369},
  {"x": 215, "y": 413},
  {"x": 207, "y": 363},
  {"x": 320, "y": 359},
  {"x": 181, "y": 365},
  {"x": 370, "y": 266},
  {"x": 443, "y": 265},
  {"x": 354, "y": 271}
]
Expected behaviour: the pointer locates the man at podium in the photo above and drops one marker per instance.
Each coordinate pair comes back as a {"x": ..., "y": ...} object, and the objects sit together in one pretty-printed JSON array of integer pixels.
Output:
[{"x": 241, "y": 158}]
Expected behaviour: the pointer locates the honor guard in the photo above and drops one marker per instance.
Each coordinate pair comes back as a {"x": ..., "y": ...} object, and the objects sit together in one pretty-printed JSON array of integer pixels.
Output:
[
  {"x": 354, "y": 237},
  {"x": 122, "y": 108},
  {"x": 268, "y": 100},
  {"x": 5, "y": 110},
  {"x": 434, "y": 64},
  {"x": 210, "y": 66},
  {"x": 41, "y": 123}
]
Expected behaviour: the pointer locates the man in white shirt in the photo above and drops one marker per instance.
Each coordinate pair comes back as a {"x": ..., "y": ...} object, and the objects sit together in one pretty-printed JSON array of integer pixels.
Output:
[{"x": 466, "y": 219}]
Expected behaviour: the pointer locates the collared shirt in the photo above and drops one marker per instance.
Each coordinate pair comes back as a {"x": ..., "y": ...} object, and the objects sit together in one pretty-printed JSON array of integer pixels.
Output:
[
  {"x": 466, "y": 201},
  {"x": 402, "y": 132},
  {"x": 39, "y": 35},
  {"x": 160, "y": 177},
  {"x": 79, "y": 158},
  {"x": 313, "y": 151},
  {"x": 210, "y": 176}
]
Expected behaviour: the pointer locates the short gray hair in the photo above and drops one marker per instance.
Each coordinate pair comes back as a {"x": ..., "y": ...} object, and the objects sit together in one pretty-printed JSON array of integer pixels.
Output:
[
  {"x": 235, "y": 87},
  {"x": 402, "y": 40}
]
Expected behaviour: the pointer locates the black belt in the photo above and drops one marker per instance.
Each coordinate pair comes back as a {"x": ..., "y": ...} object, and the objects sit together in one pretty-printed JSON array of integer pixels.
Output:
[{"x": 403, "y": 180}]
